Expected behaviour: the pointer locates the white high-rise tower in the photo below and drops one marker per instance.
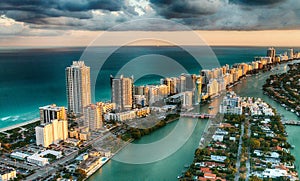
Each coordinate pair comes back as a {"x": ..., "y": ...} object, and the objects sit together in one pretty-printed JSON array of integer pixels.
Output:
[{"x": 78, "y": 87}]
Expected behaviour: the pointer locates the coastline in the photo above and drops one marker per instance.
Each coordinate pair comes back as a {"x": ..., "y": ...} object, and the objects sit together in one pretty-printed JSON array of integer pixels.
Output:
[
  {"x": 19, "y": 125},
  {"x": 208, "y": 126}
]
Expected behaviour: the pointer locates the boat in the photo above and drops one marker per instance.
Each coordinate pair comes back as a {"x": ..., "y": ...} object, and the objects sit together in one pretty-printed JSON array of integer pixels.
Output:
[
  {"x": 179, "y": 176},
  {"x": 293, "y": 146},
  {"x": 211, "y": 107}
]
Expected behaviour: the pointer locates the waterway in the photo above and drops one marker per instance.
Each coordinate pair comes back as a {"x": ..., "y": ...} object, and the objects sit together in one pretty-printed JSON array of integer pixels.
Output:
[{"x": 171, "y": 167}]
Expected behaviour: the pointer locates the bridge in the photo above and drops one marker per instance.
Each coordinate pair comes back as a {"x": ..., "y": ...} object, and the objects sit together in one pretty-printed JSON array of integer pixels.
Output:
[
  {"x": 198, "y": 115},
  {"x": 291, "y": 122}
]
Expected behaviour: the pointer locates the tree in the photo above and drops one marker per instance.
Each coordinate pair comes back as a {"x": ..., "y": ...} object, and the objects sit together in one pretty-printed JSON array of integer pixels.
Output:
[
  {"x": 255, "y": 178},
  {"x": 254, "y": 143}
]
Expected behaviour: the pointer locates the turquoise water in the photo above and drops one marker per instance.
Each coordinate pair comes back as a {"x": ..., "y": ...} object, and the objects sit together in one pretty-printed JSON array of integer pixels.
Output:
[
  {"x": 172, "y": 166},
  {"x": 167, "y": 169},
  {"x": 31, "y": 78}
]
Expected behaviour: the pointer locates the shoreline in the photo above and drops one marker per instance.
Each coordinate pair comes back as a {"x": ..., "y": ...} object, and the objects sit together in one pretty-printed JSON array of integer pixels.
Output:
[
  {"x": 19, "y": 125},
  {"x": 209, "y": 123}
]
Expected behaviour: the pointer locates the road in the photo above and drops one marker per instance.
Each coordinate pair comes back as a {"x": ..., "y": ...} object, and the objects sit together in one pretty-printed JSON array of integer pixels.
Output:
[
  {"x": 54, "y": 167},
  {"x": 18, "y": 164},
  {"x": 238, "y": 162},
  {"x": 248, "y": 166}
]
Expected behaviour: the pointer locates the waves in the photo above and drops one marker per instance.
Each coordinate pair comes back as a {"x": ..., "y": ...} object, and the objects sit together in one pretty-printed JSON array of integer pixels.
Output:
[{"x": 15, "y": 119}]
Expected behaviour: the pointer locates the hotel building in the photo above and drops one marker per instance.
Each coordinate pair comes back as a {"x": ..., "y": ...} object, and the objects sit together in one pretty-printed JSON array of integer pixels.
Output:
[
  {"x": 78, "y": 87},
  {"x": 52, "y": 132},
  {"x": 121, "y": 92},
  {"x": 92, "y": 116},
  {"x": 51, "y": 112}
]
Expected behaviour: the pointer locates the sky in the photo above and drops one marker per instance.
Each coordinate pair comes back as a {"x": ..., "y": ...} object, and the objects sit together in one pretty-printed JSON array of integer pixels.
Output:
[{"x": 218, "y": 22}]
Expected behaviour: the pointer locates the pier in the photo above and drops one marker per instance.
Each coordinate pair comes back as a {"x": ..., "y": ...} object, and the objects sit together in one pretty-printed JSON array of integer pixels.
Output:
[
  {"x": 198, "y": 115},
  {"x": 291, "y": 122}
]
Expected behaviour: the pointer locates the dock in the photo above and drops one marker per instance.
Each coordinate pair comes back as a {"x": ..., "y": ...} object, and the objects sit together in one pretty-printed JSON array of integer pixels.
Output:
[{"x": 291, "y": 122}]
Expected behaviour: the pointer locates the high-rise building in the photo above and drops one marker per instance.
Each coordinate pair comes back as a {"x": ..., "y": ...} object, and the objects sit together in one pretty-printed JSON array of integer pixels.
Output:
[
  {"x": 93, "y": 116},
  {"x": 51, "y": 112},
  {"x": 121, "y": 92},
  {"x": 51, "y": 133},
  {"x": 290, "y": 53},
  {"x": 198, "y": 89},
  {"x": 182, "y": 83},
  {"x": 78, "y": 87},
  {"x": 271, "y": 52},
  {"x": 231, "y": 104},
  {"x": 213, "y": 88}
]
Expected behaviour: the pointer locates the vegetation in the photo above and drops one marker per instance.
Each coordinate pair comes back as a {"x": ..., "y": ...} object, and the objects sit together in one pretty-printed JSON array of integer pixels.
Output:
[
  {"x": 284, "y": 88},
  {"x": 137, "y": 133}
]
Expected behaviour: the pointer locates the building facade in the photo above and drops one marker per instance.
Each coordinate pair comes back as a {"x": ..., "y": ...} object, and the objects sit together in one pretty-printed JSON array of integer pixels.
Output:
[
  {"x": 231, "y": 104},
  {"x": 121, "y": 92},
  {"x": 93, "y": 116},
  {"x": 51, "y": 112},
  {"x": 51, "y": 133},
  {"x": 78, "y": 87}
]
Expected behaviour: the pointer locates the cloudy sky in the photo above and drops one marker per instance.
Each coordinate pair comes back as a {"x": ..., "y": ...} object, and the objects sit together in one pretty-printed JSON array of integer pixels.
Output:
[{"x": 30, "y": 20}]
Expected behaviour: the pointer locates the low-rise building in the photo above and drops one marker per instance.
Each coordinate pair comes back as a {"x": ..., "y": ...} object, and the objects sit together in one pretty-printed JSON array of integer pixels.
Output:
[
  {"x": 274, "y": 173},
  {"x": 7, "y": 173},
  {"x": 36, "y": 159},
  {"x": 19, "y": 155},
  {"x": 218, "y": 158},
  {"x": 218, "y": 137}
]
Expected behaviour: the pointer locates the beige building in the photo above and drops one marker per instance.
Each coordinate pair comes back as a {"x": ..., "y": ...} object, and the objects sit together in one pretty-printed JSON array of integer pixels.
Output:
[
  {"x": 51, "y": 133},
  {"x": 93, "y": 116},
  {"x": 78, "y": 87},
  {"x": 121, "y": 92},
  {"x": 7, "y": 173}
]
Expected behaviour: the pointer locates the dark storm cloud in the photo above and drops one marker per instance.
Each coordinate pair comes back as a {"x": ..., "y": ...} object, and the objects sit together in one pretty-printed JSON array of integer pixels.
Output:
[
  {"x": 257, "y": 2},
  {"x": 184, "y": 8},
  {"x": 231, "y": 14},
  {"x": 196, "y": 14},
  {"x": 34, "y": 11}
]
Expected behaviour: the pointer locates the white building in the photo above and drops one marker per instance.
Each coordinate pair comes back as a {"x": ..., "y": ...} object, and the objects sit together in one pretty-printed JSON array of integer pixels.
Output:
[
  {"x": 19, "y": 155},
  {"x": 36, "y": 159},
  {"x": 218, "y": 138},
  {"x": 185, "y": 98},
  {"x": 231, "y": 104},
  {"x": 57, "y": 154},
  {"x": 274, "y": 173},
  {"x": 78, "y": 87},
  {"x": 218, "y": 158}
]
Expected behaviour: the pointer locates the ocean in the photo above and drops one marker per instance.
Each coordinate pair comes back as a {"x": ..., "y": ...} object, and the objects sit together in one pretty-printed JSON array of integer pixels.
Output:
[{"x": 30, "y": 78}]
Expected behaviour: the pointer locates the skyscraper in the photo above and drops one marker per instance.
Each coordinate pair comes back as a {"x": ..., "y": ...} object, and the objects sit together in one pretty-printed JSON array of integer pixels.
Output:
[
  {"x": 121, "y": 92},
  {"x": 78, "y": 87},
  {"x": 271, "y": 52},
  {"x": 290, "y": 53}
]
